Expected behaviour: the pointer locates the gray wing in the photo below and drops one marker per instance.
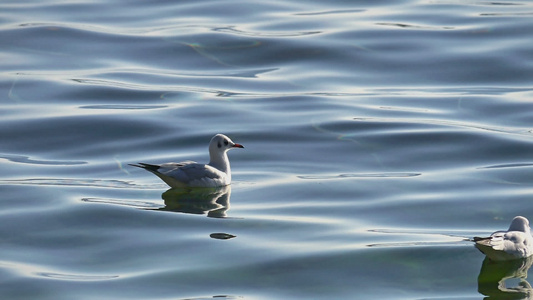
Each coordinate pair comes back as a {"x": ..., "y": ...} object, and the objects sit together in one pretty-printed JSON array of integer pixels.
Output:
[
  {"x": 193, "y": 174},
  {"x": 515, "y": 242},
  {"x": 189, "y": 171},
  {"x": 186, "y": 174},
  {"x": 504, "y": 245}
]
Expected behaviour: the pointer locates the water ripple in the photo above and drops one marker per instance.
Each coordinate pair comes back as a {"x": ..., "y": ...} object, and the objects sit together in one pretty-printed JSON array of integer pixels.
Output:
[
  {"x": 229, "y": 297},
  {"x": 331, "y": 12},
  {"x": 409, "y": 26},
  {"x": 513, "y": 165},
  {"x": 124, "y": 106},
  {"x": 449, "y": 123},
  {"x": 506, "y": 14},
  {"x": 451, "y": 239},
  {"x": 361, "y": 175},
  {"x": 234, "y": 30},
  {"x": 72, "y": 182},
  {"x": 124, "y": 202},
  {"x": 76, "y": 277},
  {"x": 88, "y": 28},
  {"x": 27, "y": 160},
  {"x": 151, "y": 87}
]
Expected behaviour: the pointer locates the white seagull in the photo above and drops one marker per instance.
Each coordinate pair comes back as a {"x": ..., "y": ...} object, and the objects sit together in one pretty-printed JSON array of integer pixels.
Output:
[
  {"x": 515, "y": 243},
  {"x": 192, "y": 174}
]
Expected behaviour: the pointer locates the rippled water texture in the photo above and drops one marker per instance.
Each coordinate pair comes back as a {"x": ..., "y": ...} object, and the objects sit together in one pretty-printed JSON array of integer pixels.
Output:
[{"x": 380, "y": 137}]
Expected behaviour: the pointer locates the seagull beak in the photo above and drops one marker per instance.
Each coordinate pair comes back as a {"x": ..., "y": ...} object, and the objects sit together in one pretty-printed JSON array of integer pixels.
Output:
[{"x": 237, "y": 146}]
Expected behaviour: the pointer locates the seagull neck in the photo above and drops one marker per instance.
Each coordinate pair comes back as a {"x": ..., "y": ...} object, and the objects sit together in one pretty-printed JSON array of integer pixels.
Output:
[{"x": 219, "y": 161}]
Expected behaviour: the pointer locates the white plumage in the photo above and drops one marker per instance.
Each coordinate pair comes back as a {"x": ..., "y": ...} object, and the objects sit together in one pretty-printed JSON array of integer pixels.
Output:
[
  {"x": 192, "y": 174},
  {"x": 515, "y": 243}
]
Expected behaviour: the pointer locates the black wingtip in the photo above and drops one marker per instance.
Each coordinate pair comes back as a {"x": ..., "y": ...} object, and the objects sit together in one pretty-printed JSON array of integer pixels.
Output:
[
  {"x": 148, "y": 167},
  {"x": 477, "y": 238}
]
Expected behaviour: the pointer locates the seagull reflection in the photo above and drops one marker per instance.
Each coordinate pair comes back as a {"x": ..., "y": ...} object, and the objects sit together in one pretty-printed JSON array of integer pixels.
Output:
[
  {"x": 213, "y": 201},
  {"x": 494, "y": 275}
]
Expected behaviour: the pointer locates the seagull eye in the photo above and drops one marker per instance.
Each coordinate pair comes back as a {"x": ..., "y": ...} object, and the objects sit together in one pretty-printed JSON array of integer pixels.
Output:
[{"x": 226, "y": 142}]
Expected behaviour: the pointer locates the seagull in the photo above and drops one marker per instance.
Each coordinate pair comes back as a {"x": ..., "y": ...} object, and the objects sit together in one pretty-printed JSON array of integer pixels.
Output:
[
  {"x": 516, "y": 243},
  {"x": 192, "y": 174}
]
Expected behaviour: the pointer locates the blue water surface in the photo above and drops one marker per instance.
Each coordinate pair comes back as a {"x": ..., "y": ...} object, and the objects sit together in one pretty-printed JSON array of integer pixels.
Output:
[{"x": 380, "y": 137}]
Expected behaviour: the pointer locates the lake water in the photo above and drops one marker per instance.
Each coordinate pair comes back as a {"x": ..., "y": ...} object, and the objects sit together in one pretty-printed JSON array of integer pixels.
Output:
[{"x": 380, "y": 136}]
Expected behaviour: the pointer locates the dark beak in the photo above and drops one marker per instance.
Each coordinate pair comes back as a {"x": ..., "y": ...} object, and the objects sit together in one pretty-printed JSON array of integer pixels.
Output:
[{"x": 238, "y": 146}]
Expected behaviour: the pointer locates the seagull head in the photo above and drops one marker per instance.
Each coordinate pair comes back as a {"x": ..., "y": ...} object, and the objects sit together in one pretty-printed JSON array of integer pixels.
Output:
[
  {"x": 221, "y": 143},
  {"x": 519, "y": 223}
]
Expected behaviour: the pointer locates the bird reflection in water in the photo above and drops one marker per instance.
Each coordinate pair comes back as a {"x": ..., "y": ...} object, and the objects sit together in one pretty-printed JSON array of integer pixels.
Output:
[
  {"x": 214, "y": 202},
  {"x": 495, "y": 278}
]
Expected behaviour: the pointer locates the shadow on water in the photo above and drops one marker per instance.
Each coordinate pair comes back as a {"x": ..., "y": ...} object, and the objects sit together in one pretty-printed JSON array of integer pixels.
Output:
[
  {"x": 214, "y": 202},
  {"x": 494, "y": 278},
  {"x": 211, "y": 201}
]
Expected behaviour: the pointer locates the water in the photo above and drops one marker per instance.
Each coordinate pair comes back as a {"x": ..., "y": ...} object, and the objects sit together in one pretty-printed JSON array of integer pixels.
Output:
[{"x": 379, "y": 135}]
